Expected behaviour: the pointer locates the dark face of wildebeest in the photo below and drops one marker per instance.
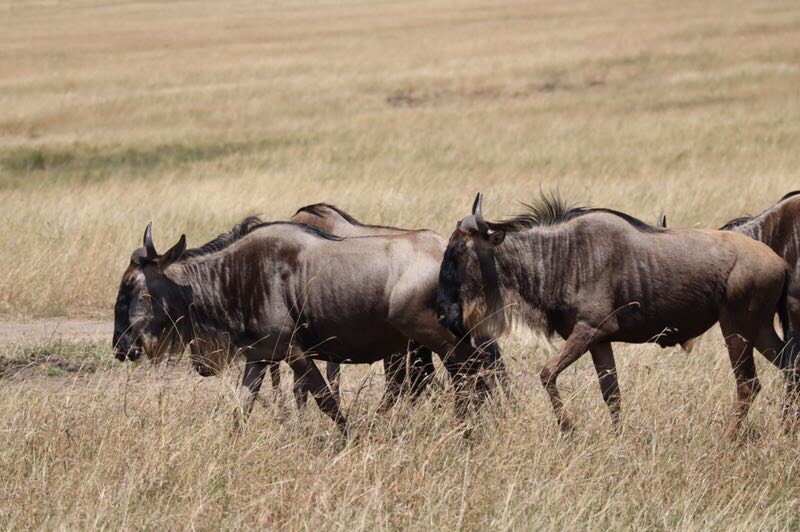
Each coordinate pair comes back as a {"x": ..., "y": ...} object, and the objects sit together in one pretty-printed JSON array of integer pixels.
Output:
[
  {"x": 143, "y": 323},
  {"x": 468, "y": 274}
]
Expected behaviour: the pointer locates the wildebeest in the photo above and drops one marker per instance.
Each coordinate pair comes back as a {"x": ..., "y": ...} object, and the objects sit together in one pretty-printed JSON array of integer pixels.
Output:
[
  {"x": 401, "y": 374},
  {"x": 285, "y": 291},
  {"x": 412, "y": 374},
  {"x": 779, "y": 228},
  {"x": 597, "y": 276}
]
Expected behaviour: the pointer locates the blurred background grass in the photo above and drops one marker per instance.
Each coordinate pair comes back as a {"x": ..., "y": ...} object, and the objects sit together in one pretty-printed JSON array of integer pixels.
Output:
[{"x": 193, "y": 115}]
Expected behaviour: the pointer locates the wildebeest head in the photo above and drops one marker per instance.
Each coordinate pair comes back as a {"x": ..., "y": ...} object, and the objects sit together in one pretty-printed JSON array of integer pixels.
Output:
[
  {"x": 467, "y": 269},
  {"x": 143, "y": 320}
]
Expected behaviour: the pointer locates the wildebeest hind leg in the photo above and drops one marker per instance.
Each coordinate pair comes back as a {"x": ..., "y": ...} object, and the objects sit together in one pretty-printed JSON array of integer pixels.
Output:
[
  {"x": 775, "y": 350},
  {"x": 459, "y": 358},
  {"x": 576, "y": 345},
  {"x": 603, "y": 358},
  {"x": 309, "y": 377},
  {"x": 793, "y": 348},
  {"x": 740, "y": 351}
]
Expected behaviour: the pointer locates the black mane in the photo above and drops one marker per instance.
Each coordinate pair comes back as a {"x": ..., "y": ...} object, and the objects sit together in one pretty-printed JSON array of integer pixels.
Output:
[
  {"x": 244, "y": 228},
  {"x": 551, "y": 209},
  {"x": 225, "y": 239},
  {"x": 316, "y": 209},
  {"x": 741, "y": 220},
  {"x": 736, "y": 222}
]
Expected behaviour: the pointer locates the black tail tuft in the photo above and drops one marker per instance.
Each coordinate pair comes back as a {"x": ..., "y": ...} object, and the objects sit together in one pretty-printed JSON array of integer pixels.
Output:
[
  {"x": 783, "y": 310},
  {"x": 789, "y": 344}
]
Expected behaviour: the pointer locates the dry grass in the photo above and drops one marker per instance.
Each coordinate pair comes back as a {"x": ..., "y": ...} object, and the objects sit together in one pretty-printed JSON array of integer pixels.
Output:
[
  {"x": 194, "y": 114},
  {"x": 151, "y": 448}
]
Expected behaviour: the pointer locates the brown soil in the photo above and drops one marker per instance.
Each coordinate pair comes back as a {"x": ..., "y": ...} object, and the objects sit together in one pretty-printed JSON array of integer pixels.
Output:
[{"x": 69, "y": 329}]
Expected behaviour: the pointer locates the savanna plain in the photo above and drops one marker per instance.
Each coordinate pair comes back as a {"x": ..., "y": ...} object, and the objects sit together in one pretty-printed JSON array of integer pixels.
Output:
[{"x": 194, "y": 114}]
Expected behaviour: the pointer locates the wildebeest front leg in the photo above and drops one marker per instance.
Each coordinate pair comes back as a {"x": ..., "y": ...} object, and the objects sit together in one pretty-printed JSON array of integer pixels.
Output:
[
  {"x": 275, "y": 377},
  {"x": 576, "y": 345},
  {"x": 463, "y": 365},
  {"x": 744, "y": 369},
  {"x": 300, "y": 393},
  {"x": 309, "y": 377},
  {"x": 420, "y": 368},
  {"x": 603, "y": 358},
  {"x": 251, "y": 383},
  {"x": 495, "y": 364}
]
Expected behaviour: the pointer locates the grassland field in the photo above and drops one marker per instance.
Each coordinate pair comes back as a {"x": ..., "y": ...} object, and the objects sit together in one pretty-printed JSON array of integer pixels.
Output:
[{"x": 194, "y": 114}]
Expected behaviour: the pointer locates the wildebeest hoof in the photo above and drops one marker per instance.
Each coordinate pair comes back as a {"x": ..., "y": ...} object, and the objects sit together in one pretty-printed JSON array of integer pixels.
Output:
[
  {"x": 566, "y": 426},
  {"x": 134, "y": 354}
]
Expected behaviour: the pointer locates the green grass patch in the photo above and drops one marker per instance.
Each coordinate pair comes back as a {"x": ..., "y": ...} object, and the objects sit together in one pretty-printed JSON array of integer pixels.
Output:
[
  {"x": 85, "y": 163},
  {"x": 55, "y": 358}
]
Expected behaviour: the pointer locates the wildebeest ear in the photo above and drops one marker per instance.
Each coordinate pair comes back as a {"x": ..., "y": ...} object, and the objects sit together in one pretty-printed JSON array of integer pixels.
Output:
[
  {"x": 139, "y": 257},
  {"x": 495, "y": 236},
  {"x": 174, "y": 253}
]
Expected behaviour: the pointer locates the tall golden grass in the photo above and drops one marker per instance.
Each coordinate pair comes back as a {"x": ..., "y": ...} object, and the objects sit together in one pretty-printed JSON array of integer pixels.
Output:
[{"x": 193, "y": 114}]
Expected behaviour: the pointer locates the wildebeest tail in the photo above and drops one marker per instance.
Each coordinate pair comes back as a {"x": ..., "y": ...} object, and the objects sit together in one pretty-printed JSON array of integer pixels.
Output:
[{"x": 790, "y": 350}]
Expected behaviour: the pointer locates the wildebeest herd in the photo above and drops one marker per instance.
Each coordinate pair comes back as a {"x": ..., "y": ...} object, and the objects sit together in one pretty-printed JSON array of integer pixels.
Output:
[{"x": 323, "y": 286}]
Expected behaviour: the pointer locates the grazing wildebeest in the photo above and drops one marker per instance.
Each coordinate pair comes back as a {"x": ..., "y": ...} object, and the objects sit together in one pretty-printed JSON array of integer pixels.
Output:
[
  {"x": 597, "y": 276},
  {"x": 779, "y": 228},
  {"x": 285, "y": 291}
]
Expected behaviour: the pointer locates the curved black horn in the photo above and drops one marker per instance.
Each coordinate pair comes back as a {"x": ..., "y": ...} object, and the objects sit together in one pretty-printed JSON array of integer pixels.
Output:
[
  {"x": 148, "y": 242},
  {"x": 662, "y": 220},
  {"x": 477, "y": 211},
  {"x": 477, "y": 205}
]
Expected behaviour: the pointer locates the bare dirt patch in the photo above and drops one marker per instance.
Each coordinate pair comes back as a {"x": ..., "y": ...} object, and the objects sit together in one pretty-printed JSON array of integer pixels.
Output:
[
  {"x": 415, "y": 97},
  {"x": 66, "y": 329}
]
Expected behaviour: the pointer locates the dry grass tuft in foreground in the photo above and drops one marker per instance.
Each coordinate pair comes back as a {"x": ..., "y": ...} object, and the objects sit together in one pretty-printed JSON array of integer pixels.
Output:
[{"x": 152, "y": 448}]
